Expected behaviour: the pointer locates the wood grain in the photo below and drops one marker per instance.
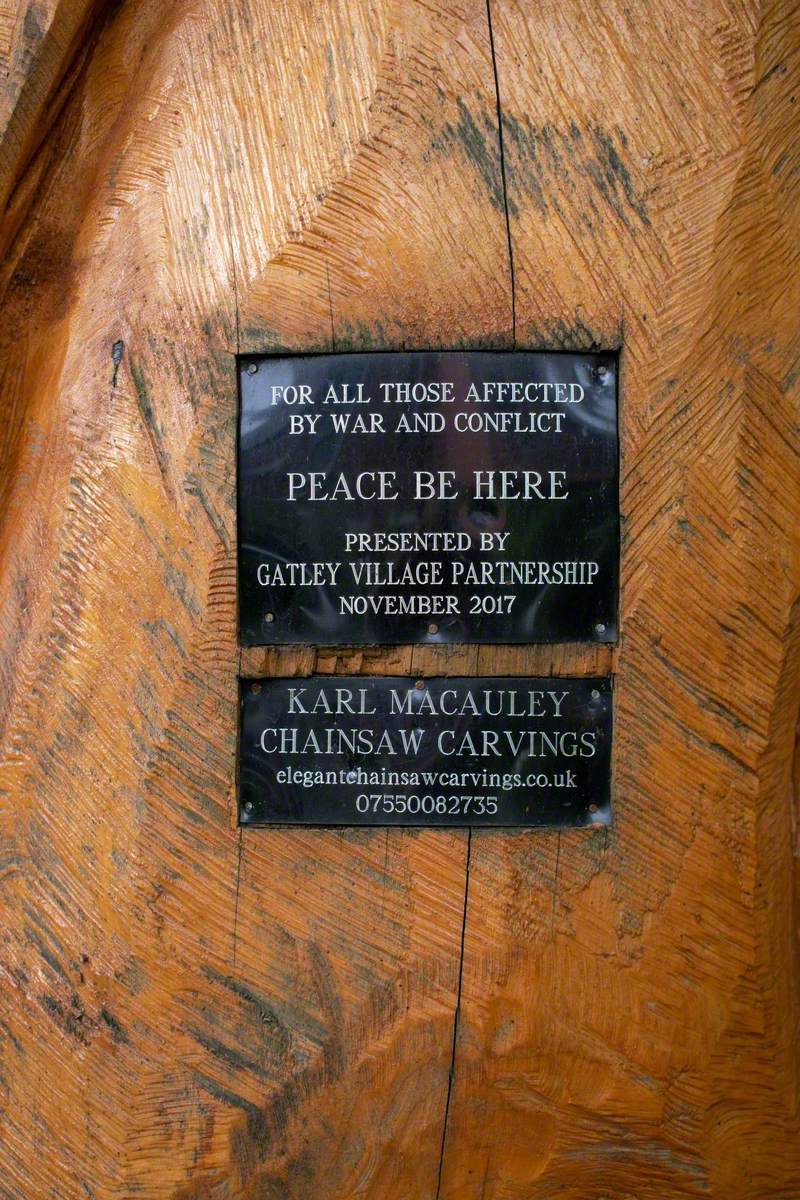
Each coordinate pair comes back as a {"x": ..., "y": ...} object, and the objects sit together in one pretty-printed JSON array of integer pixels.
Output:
[
  {"x": 193, "y": 1011},
  {"x": 629, "y": 1010}
]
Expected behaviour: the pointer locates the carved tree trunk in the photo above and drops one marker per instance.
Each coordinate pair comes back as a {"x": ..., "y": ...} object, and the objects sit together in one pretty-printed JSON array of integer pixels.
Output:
[{"x": 191, "y": 1010}]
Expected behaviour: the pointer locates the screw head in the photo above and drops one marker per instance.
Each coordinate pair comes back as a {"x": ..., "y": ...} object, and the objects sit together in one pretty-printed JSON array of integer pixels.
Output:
[
  {"x": 248, "y": 806},
  {"x": 599, "y": 627},
  {"x": 351, "y": 776},
  {"x": 595, "y": 694},
  {"x": 255, "y": 687},
  {"x": 252, "y": 368},
  {"x": 270, "y": 617},
  {"x": 433, "y": 628},
  {"x": 592, "y": 808},
  {"x": 420, "y": 685}
]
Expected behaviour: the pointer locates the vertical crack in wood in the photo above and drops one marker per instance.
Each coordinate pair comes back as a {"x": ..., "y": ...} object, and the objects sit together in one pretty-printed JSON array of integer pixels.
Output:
[
  {"x": 555, "y": 884},
  {"x": 330, "y": 306},
  {"x": 456, "y": 1016},
  {"x": 503, "y": 176},
  {"x": 236, "y": 895},
  {"x": 233, "y": 272}
]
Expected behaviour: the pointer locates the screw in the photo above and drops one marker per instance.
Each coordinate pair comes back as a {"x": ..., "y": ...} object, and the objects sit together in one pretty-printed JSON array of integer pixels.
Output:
[
  {"x": 600, "y": 627},
  {"x": 592, "y": 808},
  {"x": 270, "y": 617},
  {"x": 595, "y": 694},
  {"x": 255, "y": 687},
  {"x": 600, "y": 372},
  {"x": 252, "y": 368},
  {"x": 433, "y": 628},
  {"x": 420, "y": 685},
  {"x": 351, "y": 776},
  {"x": 248, "y": 806}
]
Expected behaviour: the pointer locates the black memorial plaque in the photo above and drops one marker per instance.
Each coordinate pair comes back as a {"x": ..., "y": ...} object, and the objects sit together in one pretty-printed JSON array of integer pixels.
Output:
[
  {"x": 355, "y": 750},
  {"x": 428, "y": 497}
]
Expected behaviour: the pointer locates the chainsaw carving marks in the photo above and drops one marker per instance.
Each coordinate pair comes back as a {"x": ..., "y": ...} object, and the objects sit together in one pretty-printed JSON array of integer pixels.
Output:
[{"x": 189, "y": 1010}]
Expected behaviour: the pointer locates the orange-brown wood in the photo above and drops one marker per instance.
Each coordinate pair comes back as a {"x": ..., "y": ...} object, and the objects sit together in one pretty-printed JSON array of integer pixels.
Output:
[{"x": 194, "y": 1011}]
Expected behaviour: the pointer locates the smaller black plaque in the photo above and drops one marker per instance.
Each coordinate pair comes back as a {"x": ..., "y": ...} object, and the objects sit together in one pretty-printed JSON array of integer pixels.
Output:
[{"x": 355, "y": 750}]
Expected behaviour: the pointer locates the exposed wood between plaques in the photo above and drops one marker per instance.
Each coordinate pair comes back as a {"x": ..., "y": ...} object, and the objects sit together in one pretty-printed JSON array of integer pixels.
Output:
[{"x": 256, "y": 661}]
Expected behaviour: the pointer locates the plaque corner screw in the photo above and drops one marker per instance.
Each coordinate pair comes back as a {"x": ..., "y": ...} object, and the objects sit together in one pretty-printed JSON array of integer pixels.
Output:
[
  {"x": 593, "y": 808},
  {"x": 248, "y": 806},
  {"x": 270, "y": 617},
  {"x": 252, "y": 368},
  {"x": 255, "y": 688},
  {"x": 433, "y": 628},
  {"x": 600, "y": 627},
  {"x": 420, "y": 685},
  {"x": 595, "y": 694}
]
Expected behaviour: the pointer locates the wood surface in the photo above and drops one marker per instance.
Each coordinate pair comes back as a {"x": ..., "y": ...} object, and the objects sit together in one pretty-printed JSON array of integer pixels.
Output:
[{"x": 189, "y": 1011}]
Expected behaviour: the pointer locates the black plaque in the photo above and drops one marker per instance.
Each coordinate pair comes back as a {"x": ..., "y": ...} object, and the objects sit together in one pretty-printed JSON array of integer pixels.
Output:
[
  {"x": 428, "y": 497},
  {"x": 355, "y": 750}
]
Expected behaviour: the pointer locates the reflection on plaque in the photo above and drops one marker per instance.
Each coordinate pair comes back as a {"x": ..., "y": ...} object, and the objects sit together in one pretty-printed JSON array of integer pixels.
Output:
[
  {"x": 428, "y": 497},
  {"x": 357, "y": 750}
]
